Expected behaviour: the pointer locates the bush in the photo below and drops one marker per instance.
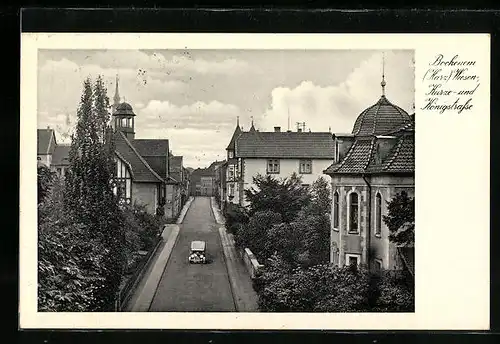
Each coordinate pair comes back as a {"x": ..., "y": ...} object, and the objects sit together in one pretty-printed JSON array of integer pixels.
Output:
[
  {"x": 254, "y": 234},
  {"x": 70, "y": 260},
  {"x": 395, "y": 292},
  {"x": 235, "y": 216}
]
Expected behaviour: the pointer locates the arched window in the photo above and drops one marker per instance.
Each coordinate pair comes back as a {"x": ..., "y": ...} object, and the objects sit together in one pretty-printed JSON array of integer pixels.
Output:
[
  {"x": 336, "y": 214},
  {"x": 378, "y": 214},
  {"x": 353, "y": 213}
]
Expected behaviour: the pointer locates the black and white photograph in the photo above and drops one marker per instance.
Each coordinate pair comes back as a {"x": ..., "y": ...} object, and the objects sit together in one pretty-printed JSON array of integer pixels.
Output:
[
  {"x": 182, "y": 182},
  {"x": 226, "y": 181}
]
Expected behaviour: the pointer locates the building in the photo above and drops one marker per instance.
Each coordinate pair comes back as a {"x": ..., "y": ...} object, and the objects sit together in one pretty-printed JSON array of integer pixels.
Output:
[
  {"x": 50, "y": 153},
  {"x": 180, "y": 175},
  {"x": 142, "y": 165},
  {"x": 277, "y": 153},
  {"x": 202, "y": 180},
  {"x": 372, "y": 164}
]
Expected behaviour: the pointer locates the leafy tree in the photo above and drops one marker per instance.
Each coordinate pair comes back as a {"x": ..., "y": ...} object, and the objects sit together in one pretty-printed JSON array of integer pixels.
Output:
[
  {"x": 45, "y": 179},
  {"x": 254, "y": 235},
  {"x": 89, "y": 184},
  {"x": 321, "y": 201},
  {"x": 235, "y": 216},
  {"x": 70, "y": 263},
  {"x": 401, "y": 219},
  {"x": 286, "y": 196}
]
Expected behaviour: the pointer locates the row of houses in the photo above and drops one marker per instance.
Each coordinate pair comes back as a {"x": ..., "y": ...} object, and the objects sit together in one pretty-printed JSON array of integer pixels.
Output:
[
  {"x": 147, "y": 172},
  {"x": 366, "y": 168}
]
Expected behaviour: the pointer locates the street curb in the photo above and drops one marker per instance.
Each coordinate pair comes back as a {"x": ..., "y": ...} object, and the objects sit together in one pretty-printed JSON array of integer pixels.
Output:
[
  {"x": 216, "y": 212},
  {"x": 174, "y": 235},
  {"x": 184, "y": 210}
]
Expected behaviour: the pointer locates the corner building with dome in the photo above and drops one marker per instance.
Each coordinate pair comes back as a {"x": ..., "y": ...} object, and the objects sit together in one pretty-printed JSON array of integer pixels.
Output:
[{"x": 371, "y": 165}]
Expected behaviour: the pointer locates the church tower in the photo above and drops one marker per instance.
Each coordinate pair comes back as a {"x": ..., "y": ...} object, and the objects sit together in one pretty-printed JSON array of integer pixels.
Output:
[{"x": 123, "y": 115}]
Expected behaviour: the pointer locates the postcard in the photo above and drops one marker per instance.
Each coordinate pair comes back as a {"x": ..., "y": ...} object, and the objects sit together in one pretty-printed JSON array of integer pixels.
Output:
[{"x": 254, "y": 181}]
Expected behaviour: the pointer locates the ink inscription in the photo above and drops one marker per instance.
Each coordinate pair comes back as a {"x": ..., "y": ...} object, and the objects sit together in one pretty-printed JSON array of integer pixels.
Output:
[{"x": 450, "y": 84}]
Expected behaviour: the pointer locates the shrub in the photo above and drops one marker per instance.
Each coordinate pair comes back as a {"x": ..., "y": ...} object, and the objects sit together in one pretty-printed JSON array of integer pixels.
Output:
[
  {"x": 254, "y": 234},
  {"x": 235, "y": 216}
]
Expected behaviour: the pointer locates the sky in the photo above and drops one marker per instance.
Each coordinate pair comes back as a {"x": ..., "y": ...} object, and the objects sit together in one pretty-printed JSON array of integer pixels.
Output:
[{"x": 194, "y": 97}]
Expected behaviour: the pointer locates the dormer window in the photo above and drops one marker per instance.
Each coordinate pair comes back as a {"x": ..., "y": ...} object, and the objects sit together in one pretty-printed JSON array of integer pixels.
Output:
[{"x": 231, "y": 154}]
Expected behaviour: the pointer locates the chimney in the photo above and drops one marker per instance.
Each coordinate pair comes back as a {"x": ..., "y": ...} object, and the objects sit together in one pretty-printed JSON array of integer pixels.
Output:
[
  {"x": 277, "y": 129},
  {"x": 299, "y": 130}
]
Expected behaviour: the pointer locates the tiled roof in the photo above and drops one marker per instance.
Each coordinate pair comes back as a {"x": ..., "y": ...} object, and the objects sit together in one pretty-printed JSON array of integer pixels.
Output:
[
  {"x": 236, "y": 133},
  {"x": 379, "y": 118},
  {"x": 360, "y": 157},
  {"x": 357, "y": 158},
  {"x": 176, "y": 167},
  {"x": 158, "y": 164},
  {"x": 151, "y": 147},
  {"x": 141, "y": 169},
  {"x": 61, "y": 155},
  {"x": 285, "y": 145},
  {"x": 46, "y": 141},
  {"x": 400, "y": 159}
]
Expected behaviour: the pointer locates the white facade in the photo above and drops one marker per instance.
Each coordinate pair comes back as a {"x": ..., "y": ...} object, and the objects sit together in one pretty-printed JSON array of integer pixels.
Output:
[{"x": 254, "y": 166}]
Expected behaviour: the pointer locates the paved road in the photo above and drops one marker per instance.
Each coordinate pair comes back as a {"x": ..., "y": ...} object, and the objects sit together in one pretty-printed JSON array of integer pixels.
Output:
[{"x": 188, "y": 287}]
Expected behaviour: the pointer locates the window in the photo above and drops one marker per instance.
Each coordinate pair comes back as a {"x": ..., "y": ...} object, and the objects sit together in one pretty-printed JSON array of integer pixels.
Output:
[
  {"x": 231, "y": 190},
  {"x": 123, "y": 182},
  {"x": 231, "y": 172},
  {"x": 336, "y": 214},
  {"x": 353, "y": 213},
  {"x": 59, "y": 172},
  {"x": 352, "y": 259},
  {"x": 273, "y": 166},
  {"x": 378, "y": 214},
  {"x": 230, "y": 154},
  {"x": 305, "y": 166},
  {"x": 378, "y": 265},
  {"x": 38, "y": 158}
]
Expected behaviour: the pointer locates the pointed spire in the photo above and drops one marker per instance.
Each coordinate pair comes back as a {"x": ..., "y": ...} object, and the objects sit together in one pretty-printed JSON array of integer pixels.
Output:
[
  {"x": 383, "y": 83},
  {"x": 116, "y": 98},
  {"x": 237, "y": 121},
  {"x": 252, "y": 128}
]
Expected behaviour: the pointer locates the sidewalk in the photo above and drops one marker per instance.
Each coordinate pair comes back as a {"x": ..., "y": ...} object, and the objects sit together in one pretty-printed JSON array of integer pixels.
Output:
[
  {"x": 244, "y": 295},
  {"x": 143, "y": 297}
]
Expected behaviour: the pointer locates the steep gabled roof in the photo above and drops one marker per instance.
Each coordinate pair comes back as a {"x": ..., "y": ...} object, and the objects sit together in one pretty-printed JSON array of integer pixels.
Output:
[
  {"x": 142, "y": 171},
  {"x": 237, "y": 132},
  {"x": 176, "y": 168},
  {"x": 285, "y": 145},
  {"x": 46, "y": 141},
  {"x": 61, "y": 155},
  {"x": 151, "y": 147}
]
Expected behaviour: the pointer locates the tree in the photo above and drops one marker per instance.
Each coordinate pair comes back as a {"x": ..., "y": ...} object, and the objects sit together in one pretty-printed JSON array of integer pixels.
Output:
[
  {"x": 254, "y": 234},
  {"x": 70, "y": 263},
  {"x": 401, "y": 219},
  {"x": 89, "y": 184},
  {"x": 45, "y": 179},
  {"x": 321, "y": 201},
  {"x": 286, "y": 196}
]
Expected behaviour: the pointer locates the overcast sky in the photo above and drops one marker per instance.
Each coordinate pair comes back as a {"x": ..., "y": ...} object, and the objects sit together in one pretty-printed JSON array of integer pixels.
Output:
[{"x": 193, "y": 97}]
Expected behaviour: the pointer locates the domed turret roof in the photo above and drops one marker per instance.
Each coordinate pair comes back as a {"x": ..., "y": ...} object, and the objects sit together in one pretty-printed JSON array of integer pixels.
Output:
[
  {"x": 124, "y": 109},
  {"x": 380, "y": 118}
]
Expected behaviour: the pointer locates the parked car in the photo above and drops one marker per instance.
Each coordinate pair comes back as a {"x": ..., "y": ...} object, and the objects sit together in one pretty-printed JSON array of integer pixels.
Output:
[{"x": 198, "y": 252}]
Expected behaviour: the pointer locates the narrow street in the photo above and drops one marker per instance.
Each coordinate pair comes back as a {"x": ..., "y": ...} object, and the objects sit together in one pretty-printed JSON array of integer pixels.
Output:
[{"x": 188, "y": 287}]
